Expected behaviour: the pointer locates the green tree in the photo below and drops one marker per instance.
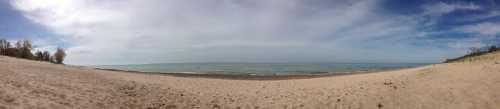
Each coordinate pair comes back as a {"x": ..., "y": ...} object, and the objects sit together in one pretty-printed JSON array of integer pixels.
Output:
[
  {"x": 59, "y": 56},
  {"x": 4, "y": 45},
  {"x": 46, "y": 56},
  {"x": 23, "y": 49},
  {"x": 39, "y": 55},
  {"x": 52, "y": 60},
  {"x": 26, "y": 49}
]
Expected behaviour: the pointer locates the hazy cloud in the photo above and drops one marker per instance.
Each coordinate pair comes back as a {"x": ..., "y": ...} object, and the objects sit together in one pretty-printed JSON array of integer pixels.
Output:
[
  {"x": 151, "y": 31},
  {"x": 490, "y": 14},
  {"x": 441, "y": 8},
  {"x": 486, "y": 28}
]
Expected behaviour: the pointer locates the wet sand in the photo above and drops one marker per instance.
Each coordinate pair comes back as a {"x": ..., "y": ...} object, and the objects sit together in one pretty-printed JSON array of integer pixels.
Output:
[{"x": 31, "y": 84}]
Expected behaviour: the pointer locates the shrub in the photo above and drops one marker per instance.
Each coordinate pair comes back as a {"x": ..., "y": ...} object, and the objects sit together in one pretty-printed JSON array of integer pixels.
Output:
[
  {"x": 46, "y": 56},
  {"x": 474, "y": 51},
  {"x": 25, "y": 49},
  {"x": 59, "y": 56},
  {"x": 39, "y": 55},
  {"x": 4, "y": 45}
]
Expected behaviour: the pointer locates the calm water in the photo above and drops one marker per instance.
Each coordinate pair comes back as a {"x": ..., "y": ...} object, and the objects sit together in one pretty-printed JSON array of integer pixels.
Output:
[{"x": 262, "y": 68}]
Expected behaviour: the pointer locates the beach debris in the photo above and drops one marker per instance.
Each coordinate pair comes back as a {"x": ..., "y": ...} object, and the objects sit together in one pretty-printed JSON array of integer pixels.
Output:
[
  {"x": 152, "y": 108},
  {"x": 387, "y": 82},
  {"x": 390, "y": 84},
  {"x": 380, "y": 105},
  {"x": 216, "y": 106},
  {"x": 9, "y": 99},
  {"x": 171, "y": 106}
]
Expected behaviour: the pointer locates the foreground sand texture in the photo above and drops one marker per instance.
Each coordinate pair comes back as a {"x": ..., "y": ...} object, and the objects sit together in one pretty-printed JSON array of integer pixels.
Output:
[{"x": 31, "y": 84}]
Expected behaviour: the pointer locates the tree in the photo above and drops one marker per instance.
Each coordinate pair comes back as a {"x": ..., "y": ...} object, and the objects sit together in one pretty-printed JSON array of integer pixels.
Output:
[
  {"x": 39, "y": 55},
  {"x": 4, "y": 44},
  {"x": 19, "y": 44},
  {"x": 52, "y": 60},
  {"x": 13, "y": 52},
  {"x": 23, "y": 49},
  {"x": 59, "y": 56},
  {"x": 4, "y": 48},
  {"x": 474, "y": 50},
  {"x": 497, "y": 41},
  {"x": 46, "y": 56},
  {"x": 26, "y": 49},
  {"x": 492, "y": 48}
]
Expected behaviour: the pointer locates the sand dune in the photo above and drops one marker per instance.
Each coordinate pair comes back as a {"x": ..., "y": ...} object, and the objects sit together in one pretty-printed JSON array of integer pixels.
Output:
[{"x": 31, "y": 84}]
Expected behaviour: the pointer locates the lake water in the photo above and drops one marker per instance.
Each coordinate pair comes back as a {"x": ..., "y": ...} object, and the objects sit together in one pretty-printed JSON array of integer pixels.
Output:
[{"x": 262, "y": 68}]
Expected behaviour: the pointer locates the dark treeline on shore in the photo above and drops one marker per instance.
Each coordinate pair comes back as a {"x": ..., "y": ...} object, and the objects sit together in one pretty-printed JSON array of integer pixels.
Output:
[
  {"x": 476, "y": 51},
  {"x": 492, "y": 46},
  {"x": 23, "y": 49}
]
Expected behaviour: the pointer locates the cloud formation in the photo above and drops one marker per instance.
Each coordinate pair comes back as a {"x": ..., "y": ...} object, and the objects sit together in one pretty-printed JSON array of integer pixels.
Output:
[
  {"x": 441, "y": 8},
  {"x": 487, "y": 28},
  {"x": 156, "y": 31}
]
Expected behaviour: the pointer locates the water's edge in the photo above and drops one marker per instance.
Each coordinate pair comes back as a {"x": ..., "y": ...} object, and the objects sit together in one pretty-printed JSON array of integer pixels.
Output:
[
  {"x": 250, "y": 76},
  {"x": 264, "y": 69}
]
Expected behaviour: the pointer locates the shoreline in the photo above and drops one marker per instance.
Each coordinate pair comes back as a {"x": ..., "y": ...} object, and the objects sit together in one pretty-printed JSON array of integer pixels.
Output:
[
  {"x": 256, "y": 76},
  {"x": 34, "y": 84}
]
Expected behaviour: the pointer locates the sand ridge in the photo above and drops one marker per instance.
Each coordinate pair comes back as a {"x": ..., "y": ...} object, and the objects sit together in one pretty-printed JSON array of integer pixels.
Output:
[{"x": 31, "y": 84}]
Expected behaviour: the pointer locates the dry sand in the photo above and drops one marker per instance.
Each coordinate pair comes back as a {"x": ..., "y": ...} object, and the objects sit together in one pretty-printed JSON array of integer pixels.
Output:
[{"x": 31, "y": 84}]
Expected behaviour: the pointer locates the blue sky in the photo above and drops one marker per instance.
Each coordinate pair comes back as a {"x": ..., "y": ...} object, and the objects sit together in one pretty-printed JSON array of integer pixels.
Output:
[{"x": 163, "y": 31}]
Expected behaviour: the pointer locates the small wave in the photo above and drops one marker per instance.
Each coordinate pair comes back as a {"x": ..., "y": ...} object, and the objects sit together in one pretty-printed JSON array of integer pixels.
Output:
[{"x": 192, "y": 72}]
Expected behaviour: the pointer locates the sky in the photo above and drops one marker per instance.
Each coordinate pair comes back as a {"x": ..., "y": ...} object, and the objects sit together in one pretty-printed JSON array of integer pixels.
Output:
[{"x": 107, "y": 32}]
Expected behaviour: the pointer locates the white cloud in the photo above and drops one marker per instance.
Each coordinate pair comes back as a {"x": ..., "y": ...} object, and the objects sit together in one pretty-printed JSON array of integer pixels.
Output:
[
  {"x": 486, "y": 28},
  {"x": 464, "y": 45},
  {"x": 442, "y": 8},
  {"x": 152, "y": 31},
  {"x": 434, "y": 11},
  {"x": 477, "y": 17}
]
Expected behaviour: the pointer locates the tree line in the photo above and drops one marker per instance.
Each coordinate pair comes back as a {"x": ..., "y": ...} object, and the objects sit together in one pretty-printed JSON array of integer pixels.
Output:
[
  {"x": 23, "y": 49},
  {"x": 493, "y": 45},
  {"x": 476, "y": 51}
]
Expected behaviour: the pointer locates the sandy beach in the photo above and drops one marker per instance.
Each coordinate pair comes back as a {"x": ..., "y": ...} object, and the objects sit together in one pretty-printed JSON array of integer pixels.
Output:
[{"x": 33, "y": 84}]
